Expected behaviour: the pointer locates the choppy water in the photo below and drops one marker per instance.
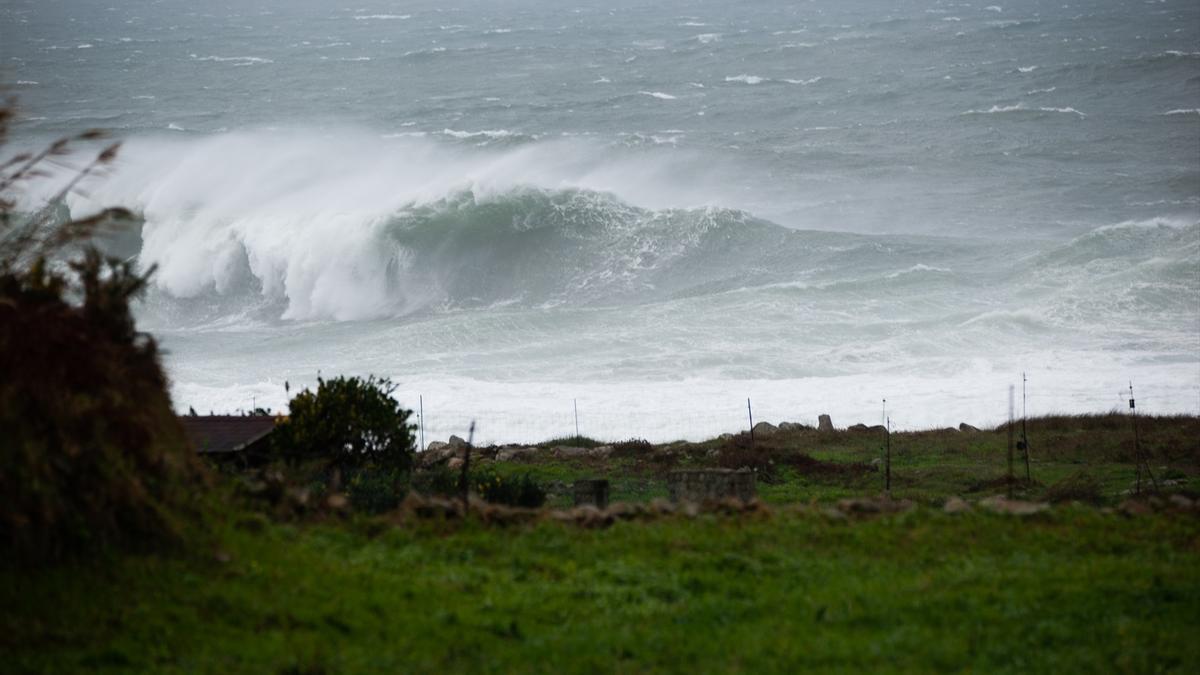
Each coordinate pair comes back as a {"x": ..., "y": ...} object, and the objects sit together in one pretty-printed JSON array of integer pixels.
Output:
[{"x": 658, "y": 209}]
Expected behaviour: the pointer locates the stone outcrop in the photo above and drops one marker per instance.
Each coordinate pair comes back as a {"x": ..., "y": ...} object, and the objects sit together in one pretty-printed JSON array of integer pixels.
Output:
[
  {"x": 515, "y": 454},
  {"x": 765, "y": 429},
  {"x": 967, "y": 427},
  {"x": 824, "y": 423}
]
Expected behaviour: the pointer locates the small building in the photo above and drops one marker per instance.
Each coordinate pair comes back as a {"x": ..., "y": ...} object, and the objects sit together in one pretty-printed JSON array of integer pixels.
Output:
[{"x": 238, "y": 439}]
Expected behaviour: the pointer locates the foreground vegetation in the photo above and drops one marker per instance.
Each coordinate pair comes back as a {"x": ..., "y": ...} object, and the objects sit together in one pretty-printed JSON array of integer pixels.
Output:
[{"x": 1067, "y": 591}]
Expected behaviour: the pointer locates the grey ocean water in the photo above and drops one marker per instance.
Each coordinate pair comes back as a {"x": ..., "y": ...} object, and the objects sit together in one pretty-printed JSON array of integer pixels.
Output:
[{"x": 656, "y": 208}]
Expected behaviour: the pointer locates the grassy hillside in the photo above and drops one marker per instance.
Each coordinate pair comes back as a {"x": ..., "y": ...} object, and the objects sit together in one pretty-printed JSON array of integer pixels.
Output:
[{"x": 1070, "y": 591}]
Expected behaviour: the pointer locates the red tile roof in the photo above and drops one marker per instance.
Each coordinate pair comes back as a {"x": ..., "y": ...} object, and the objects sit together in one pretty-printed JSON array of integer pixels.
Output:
[{"x": 225, "y": 433}]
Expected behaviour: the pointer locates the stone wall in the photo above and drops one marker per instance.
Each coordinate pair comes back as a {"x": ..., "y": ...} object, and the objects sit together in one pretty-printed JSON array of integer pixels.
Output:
[
  {"x": 708, "y": 485},
  {"x": 592, "y": 492}
]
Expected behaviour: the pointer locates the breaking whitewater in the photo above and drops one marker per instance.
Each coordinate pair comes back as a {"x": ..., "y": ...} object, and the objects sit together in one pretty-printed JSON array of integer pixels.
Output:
[{"x": 511, "y": 286}]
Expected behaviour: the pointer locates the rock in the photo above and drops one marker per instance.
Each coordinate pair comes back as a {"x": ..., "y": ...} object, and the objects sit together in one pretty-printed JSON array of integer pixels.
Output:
[
  {"x": 858, "y": 506},
  {"x": 456, "y": 442},
  {"x": 857, "y": 427},
  {"x": 725, "y": 437},
  {"x": 765, "y": 429},
  {"x": 956, "y": 505},
  {"x": 967, "y": 427},
  {"x": 1014, "y": 507},
  {"x": 875, "y": 464},
  {"x": 832, "y": 513},
  {"x": 337, "y": 502},
  {"x": 515, "y": 454},
  {"x": 437, "y": 454},
  {"x": 1181, "y": 502},
  {"x": 1131, "y": 507},
  {"x": 824, "y": 423},
  {"x": 569, "y": 451},
  {"x": 602, "y": 452},
  {"x": 455, "y": 463},
  {"x": 878, "y": 428}
]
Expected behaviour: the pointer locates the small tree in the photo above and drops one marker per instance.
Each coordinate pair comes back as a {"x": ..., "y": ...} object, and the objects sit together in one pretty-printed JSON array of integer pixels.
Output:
[{"x": 352, "y": 422}]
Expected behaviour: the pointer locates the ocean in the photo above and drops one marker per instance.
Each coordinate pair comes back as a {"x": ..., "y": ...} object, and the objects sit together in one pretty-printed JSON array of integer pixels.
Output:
[{"x": 648, "y": 212}]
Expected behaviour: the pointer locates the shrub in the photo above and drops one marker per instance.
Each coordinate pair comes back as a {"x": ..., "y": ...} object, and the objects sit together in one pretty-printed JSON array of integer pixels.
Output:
[
  {"x": 350, "y": 421},
  {"x": 440, "y": 481},
  {"x": 497, "y": 489},
  {"x": 91, "y": 450},
  {"x": 571, "y": 442},
  {"x": 632, "y": 448},
  {"x": 375, "y": 490}
]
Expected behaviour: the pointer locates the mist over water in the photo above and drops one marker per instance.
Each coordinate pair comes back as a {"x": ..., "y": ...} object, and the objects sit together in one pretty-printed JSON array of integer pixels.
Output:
[{"x": 656, "y": 209}]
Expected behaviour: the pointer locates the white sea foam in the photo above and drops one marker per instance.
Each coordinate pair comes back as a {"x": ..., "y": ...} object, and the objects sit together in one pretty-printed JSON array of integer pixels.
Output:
[
  {"x": 993, "y": 8},
  {"x": 659, "y": 95},
  {"x": 235, "y": 60},
  {"x": 811, "y": 80},
  {"x": 1027, "y": 69},
  {"x": 707, "y": 38},
  {"x": 1183, "y": 111},
  {"x": 84, "y": 46},
  {"x": 487, "y": 133},
  {"x": 26, "y": 82},
  {"x": 746, "y": 79},
  {"x": 1021, "y": 107},
  {"x": 382, "y": 17}
]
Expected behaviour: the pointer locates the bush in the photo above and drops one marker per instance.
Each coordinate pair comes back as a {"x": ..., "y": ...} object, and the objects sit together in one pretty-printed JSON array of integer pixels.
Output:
[
  {"x": 350, "y": 421},
  {"x": 494, "y": 488},
  {"x": 91, "y": 450},
  {"x": 440, "y": 481},
  {"x": 571, "y": 442},
  {"x": 375, "y": 490},
  {"x": 632, "y": 448}
]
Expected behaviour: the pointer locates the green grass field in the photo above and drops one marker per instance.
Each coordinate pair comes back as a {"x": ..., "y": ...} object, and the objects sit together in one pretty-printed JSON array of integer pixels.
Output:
[
  {"x": 1072, "y": 591},
  {"x": 790, "y": 589}
]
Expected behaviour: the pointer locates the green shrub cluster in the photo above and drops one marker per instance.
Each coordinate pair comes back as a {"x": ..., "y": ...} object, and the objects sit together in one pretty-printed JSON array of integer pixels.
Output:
[
  {"x": 373, "y": 489},
  {"x": 510, "y": 491},
  {"x": 350, "y": 422},
  {"x": 486, "y": 483}
]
